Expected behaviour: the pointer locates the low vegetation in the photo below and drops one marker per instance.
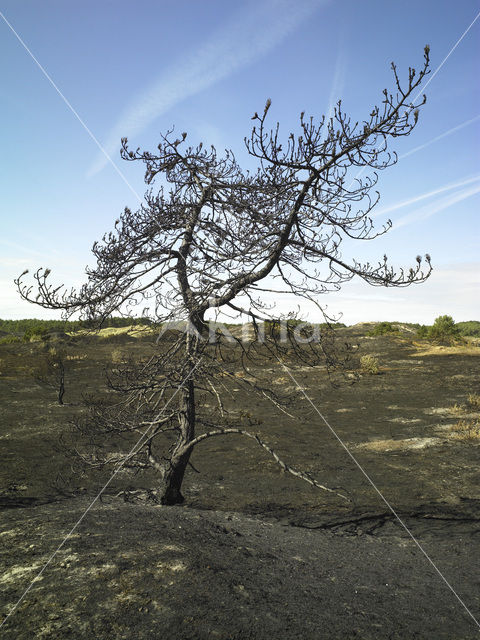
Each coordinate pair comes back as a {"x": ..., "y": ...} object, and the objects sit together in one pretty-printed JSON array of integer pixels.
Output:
[
  {"x": 9, "y": 339},
  {"x": 384, "y": 328},
  {"x": 33, "y": 329},
  {"x": 466, "y": 429},
  {"x": 369, "y": 365},
  {"x": 470, "y": 328},
  {"x": 473, "y": 401},
  {"x": 444, "y": 330}
]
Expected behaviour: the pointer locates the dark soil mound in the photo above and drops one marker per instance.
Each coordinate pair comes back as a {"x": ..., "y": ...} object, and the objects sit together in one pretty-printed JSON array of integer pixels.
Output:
[{"x": 146, "y": 572}]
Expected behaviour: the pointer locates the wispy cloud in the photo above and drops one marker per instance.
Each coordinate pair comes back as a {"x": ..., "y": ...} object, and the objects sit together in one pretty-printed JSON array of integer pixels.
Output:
[
  {"x": 429, "y": 194},
  {"x": 437, "y": 206},
  {"x": 18, "y": 248},
  {"x": 442, "y": 135},
  {"x": 252, "y": 32},
  {"x": 14, "y": 262},
  {"x": 338, "y": 79}
]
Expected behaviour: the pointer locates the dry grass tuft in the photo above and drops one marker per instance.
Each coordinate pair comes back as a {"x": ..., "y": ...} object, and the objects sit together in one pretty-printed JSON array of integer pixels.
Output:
[
  {"x": 456, "y": 409},
  {"x": 471, "y": 406},
  {"x": 369, "y": 364},
  {"x": 466, "y": 430},
  {"x": 473, "y": 401},
  {"x": 118, "y": 356},
  {"x": 406, "y": 444}
]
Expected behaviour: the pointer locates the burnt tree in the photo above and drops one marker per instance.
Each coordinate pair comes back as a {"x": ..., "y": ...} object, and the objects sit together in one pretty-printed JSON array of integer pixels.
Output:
[
  {"x": 217, "y": 240},
  {"x": 51, "y": 371}
]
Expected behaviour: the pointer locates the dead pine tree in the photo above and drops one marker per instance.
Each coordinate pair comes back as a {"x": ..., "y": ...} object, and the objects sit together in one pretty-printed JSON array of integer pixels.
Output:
[
  {"x": 218, "y": 240},
  {"x": 51, "y": 371}
]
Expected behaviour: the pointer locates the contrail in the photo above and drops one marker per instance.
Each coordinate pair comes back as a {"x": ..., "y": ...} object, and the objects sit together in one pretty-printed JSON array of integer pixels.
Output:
[
  {"x": 227, "y": 51},
  {"x": 338, "y": 81},
  {"x": 428, "y": 194},
  {"x": 442, "y": 135},
  {"x": 447, "y": 57},
  {"x": 436, "y": 207},
  {"x": 106, "y": 156}
]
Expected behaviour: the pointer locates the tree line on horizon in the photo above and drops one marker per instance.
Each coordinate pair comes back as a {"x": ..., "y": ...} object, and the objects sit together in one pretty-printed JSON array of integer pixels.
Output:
[{"x": 28, "y": 328}]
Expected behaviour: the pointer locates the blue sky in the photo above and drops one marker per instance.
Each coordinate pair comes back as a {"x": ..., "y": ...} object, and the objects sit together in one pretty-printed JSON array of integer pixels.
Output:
[{"x": 136, "y": 69}]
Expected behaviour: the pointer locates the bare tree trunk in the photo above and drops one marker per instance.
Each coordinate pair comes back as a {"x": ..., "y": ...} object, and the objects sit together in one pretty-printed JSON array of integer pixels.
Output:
[{"x": 175, "y": 471}]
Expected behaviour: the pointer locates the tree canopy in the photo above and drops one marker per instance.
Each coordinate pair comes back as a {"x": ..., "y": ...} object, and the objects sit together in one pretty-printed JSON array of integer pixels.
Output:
[
  {"x": 218, "y": 231},
  {"x": 221, "y": 238}
]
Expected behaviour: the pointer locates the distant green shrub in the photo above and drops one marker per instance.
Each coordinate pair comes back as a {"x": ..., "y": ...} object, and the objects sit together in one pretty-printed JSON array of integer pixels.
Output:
[
  {"x": 38, "y": 332},
  {"x": 422, "y": 331},
  {"x": 19, "y": 327},
  {"x": 292, "y": 327},
  {"x": 115, "y": 322},
  {"x": 32, "y": 325},
  {"x": 469, "y": 328},
  {"x": 443, "y": 329},
  {"x": 383, "y": 329},
  {"x": 369, "y": 364},
  {"x": 332, "y": 325}
]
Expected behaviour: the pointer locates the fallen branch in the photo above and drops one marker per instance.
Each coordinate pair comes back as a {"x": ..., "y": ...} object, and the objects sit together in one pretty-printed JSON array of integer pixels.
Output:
[{"x": 287, "y": 469}]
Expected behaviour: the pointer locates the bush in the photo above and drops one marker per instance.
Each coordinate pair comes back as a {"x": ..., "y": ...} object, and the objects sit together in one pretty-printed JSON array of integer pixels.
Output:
[
  {"x": 369, "y": 364},
  {"x": 382, "y": 329},
  {"x": 422, "y": 331},
  {"x": 332, "y": 325},
  {"x": 35, "y": 333},
  {"x": 470, "y": 328},
  {"x": 293, "y": 326},
  {"x": 443, "y": 329}
]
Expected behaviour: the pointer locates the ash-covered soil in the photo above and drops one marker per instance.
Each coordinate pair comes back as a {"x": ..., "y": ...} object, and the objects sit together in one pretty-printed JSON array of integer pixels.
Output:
[
  {"x": 253, "y": 553},
  {"x": 138, "y": 571}
]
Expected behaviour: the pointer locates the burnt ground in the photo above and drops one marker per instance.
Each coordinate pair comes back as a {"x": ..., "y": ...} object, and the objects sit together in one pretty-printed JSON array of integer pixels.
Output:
[{"x": 255, "y": 553}]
